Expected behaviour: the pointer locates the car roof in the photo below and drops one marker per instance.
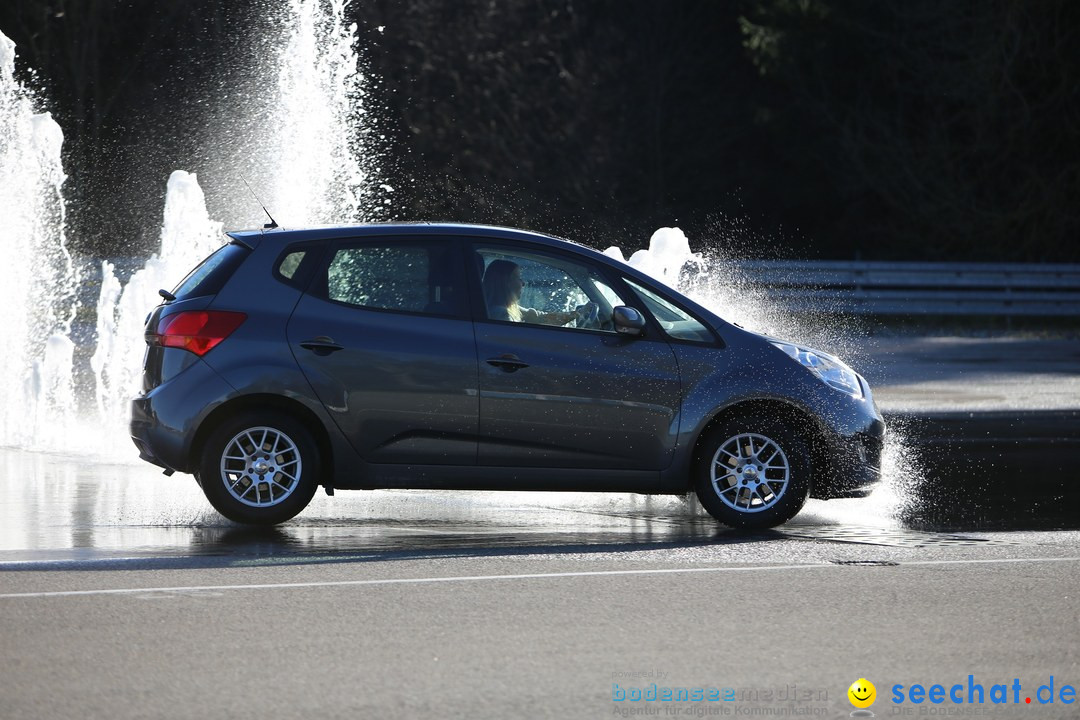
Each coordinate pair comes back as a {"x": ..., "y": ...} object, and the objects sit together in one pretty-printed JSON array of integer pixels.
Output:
[{"x": 332, "y": 232}]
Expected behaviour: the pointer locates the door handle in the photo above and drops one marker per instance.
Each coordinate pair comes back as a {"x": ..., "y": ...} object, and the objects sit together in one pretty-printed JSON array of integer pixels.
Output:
[
  {"x": 321, "y": 345},
  {"x": 507, "y": 363}
]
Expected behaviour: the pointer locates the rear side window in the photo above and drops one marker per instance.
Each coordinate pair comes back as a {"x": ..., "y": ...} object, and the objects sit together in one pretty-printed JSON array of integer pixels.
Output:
[
  {"x": 405, "y": 277},
  {"x": 210, "y": 275}
]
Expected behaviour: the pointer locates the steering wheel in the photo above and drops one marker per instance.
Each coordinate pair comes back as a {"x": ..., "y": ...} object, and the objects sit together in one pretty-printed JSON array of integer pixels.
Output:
[{"x": 588, "y": 316}]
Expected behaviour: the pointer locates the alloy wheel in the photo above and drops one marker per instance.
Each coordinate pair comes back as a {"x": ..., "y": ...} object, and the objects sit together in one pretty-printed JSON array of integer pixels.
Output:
[
  {"x": 261, "y": 466},
  {"x": 750, "y": 472}
]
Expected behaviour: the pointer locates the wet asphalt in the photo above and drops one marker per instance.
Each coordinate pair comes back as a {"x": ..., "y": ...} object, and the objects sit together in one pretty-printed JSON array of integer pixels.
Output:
[{"x": 122, "y": 594}]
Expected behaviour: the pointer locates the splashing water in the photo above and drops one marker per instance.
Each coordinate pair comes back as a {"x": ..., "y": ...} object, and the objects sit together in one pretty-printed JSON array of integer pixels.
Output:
[
  {"x": 320, "y": 110},
  {"x": 720, "y": 285},
  {"x": 187, "y": 236},
  {"x": 711, "y": 282},
  {"x": 309, "y": 141},
  {"x": 667, "y": 259},
  {"x": 305, "y": 135},
  {"x": 39, "y": 297}
]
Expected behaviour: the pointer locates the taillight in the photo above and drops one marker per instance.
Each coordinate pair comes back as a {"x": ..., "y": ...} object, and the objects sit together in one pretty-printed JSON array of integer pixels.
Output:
[{"x": 197, "y": 331}]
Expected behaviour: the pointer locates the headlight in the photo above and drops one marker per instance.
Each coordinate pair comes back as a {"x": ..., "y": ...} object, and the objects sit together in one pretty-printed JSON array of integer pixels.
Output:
[{"x": 830, "y": 370}]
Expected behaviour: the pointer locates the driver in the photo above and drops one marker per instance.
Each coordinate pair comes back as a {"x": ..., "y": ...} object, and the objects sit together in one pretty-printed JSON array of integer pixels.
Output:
[{"x": 502, "y": 293}]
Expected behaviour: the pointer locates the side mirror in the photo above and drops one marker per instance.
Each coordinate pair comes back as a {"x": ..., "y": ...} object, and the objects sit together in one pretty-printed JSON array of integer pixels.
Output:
[{"x": 628, "y": 321}]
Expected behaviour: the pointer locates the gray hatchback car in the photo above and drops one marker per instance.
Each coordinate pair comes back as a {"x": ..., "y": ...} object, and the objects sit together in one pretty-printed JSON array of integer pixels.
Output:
[{"x": 444, "y": 356}]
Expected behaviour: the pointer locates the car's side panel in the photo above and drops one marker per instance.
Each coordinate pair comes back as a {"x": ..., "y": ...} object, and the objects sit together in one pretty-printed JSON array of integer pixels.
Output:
[
  {"x": 585, "y": 399},
  {"x": 402, "y": 388}
]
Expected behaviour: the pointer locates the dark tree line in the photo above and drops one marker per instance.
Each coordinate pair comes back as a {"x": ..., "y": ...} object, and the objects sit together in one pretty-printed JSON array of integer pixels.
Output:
[
  {"x": 830, "y": 128},
  {"x": 948, "y": 128}
]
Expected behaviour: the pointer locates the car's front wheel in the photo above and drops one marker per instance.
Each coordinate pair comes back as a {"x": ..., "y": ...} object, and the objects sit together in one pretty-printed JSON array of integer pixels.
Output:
[
  {"x": 259, "y": 468},
  {"x": 752, "y": 472}
]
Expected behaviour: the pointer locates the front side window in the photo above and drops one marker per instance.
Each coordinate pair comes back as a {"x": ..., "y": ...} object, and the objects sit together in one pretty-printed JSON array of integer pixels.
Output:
[
  {"x": 542, "y": 290},
  {"x": 418, "y": 278},
  {"x": 675, "y": 321}
]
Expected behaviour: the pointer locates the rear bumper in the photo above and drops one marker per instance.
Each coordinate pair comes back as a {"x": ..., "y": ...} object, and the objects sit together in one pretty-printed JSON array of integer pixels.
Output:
[
  {"x": 146, "y": 451},
  {"x": 163, "y": 421}
]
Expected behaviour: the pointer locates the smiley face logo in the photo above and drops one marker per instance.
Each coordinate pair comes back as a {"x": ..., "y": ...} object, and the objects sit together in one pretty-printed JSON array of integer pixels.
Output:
[{"x": 862, "y": 693}]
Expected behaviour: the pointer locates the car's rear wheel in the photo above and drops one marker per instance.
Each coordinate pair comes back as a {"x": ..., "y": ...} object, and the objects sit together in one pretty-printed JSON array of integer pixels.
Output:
[
  {"x": 752, "y": 472},
  {"x": 259, "y": 468}
]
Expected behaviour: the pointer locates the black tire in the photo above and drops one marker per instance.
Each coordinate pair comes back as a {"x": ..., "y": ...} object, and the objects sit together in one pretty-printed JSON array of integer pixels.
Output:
[
  {"x": 271, "y": 442},
  {"x": 735, "y": 496}
]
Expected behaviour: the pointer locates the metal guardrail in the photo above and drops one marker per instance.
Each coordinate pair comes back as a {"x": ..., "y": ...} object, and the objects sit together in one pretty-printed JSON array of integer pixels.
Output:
[{"x": 912, "y": 288}]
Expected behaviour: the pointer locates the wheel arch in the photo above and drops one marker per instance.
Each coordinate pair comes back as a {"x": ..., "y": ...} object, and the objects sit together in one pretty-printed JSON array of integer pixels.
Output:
[
  {"x": 255, "y": 402},
  {"x": 803, "y": 421}
]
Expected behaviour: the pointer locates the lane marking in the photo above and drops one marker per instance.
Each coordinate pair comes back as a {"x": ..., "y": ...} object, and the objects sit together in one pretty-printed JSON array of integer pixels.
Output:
[{"x": 527, "y": 576}]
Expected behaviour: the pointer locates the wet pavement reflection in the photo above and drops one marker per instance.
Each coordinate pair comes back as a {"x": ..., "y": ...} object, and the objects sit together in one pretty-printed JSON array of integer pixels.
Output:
[{"x": 60, "y": 509}]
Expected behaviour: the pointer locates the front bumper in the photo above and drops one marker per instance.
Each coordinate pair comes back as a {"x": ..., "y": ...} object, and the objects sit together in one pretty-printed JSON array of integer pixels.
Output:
[{"x": 849, "y": 466}]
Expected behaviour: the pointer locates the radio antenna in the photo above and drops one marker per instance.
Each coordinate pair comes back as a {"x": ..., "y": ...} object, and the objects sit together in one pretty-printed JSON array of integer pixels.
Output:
[{"x": 273, "y": 223}]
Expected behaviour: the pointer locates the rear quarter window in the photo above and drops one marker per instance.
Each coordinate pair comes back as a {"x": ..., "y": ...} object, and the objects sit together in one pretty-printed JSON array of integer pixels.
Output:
[
  {"x": 291, "y": 263},
  {"x": 211, "y": 274}
]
